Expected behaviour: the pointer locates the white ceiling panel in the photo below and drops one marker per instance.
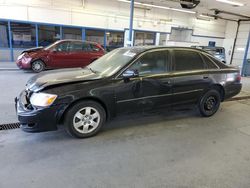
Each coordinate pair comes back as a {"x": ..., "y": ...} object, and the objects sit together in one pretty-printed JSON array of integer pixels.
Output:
[{"x": 207, "y": 6}]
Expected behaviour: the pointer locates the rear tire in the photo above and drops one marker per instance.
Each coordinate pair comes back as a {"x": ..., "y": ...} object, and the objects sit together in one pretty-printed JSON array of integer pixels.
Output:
[
  {"x": 209, "y": 103},
  {"x": 84, "y": 119},
  {"x": 38, "y": 66}
]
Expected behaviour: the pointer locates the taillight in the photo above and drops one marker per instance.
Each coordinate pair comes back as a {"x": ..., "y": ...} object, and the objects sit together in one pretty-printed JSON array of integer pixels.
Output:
[{"x": 238, "y": 77}]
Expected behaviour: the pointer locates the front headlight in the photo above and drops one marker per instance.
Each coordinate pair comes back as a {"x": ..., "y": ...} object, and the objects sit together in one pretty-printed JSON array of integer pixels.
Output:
[
  {"x": 20, "y": 56},
  {"x": 42, "y": 99}
]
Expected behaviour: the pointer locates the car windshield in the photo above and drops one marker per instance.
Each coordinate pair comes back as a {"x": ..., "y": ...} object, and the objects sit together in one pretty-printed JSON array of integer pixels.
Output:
[
  {"x": 113, "y": 61},
  {"x": 51, "y": 45}
]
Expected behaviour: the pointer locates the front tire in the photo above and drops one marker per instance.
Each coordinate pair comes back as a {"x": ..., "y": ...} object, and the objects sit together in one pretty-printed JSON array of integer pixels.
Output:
[
  {"x": 38, "y": 66},
  {"x": 85, "y": 119},
  {"x": 209, "y": 103}
]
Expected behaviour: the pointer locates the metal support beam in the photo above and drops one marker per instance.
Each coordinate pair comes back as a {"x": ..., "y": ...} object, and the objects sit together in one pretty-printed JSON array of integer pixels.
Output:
[
  {"x": 105, "y": 40},
  {"x": 236, "y": 37},
  {"x": 10, "y": 42},
  {"x": 83, "y": 34},
  {"x": 61, "y": 33},
  {"x": 37, "y": 36},
  {"x": 245, "y": 56},
  {"x": 131, "y": 21}
]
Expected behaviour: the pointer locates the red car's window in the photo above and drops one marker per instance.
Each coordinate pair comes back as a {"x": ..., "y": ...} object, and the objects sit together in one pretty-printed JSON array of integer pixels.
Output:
[
  {"x": 62, "y": 47},
  {"x": 75, "y": 47},
  {"x": 95, "y": 48}
]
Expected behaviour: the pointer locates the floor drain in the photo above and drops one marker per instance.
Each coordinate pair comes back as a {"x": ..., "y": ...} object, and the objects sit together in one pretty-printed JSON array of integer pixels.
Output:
[{"x": 9, "y": 126}]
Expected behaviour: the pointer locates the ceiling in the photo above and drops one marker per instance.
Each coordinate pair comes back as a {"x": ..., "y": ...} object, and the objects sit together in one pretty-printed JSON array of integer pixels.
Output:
[{"x": 207, "y": 6}]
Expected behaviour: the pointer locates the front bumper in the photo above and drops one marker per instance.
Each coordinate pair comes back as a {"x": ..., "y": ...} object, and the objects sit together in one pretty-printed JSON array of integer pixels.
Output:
[
  {"x": 36, "y": 120},
  {"x": 23, "y": 64}
]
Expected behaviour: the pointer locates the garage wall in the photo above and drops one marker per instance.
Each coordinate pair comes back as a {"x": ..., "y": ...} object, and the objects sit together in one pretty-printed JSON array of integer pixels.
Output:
[
  {"x": 95, "y": 13},
  {"x": 229, "y": 40},
  {"x": 241, "y": 43},
  {"x": 5, "y": 55},
  {"x": 111, "y": 14}
]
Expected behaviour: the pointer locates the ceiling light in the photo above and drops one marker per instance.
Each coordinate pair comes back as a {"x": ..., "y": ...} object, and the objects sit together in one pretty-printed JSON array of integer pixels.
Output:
[
  {"x": 160, "y": 7},
  {"x": 234, "y": 3},
  {"x": 240, "y": 49}
]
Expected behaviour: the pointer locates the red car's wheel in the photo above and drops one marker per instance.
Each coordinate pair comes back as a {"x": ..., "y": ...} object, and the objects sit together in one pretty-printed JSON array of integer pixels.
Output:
[{"x": 38, "y": 66}]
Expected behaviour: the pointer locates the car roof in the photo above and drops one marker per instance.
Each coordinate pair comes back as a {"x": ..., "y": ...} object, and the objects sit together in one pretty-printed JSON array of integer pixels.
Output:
[
  {"x": 75, "y": 40},
  {"x": 140, "y": 49}
]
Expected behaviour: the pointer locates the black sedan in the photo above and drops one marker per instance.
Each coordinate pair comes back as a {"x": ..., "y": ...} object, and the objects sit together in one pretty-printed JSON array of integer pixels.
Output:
[{"x": 125, "y": 80}]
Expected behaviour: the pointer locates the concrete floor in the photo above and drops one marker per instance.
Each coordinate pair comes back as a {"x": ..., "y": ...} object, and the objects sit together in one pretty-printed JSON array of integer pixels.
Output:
[{"x": 163, "y": 149}]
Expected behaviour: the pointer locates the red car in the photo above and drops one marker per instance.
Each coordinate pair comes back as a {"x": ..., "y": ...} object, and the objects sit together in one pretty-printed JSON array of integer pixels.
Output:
[{"x": 61, "y": 54}]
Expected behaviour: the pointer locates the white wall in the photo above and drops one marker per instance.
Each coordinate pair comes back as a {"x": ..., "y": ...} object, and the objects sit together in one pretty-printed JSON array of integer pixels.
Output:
[
  {"x": 111, "y": 14},
  {"x": 241, "y": 43},
  {"x": 228, "y": 42},
  {"x": 105, "y": 14}
]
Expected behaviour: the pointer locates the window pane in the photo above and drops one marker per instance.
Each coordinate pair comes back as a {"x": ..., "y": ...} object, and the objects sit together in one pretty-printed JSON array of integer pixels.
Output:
[
  {"x": 4, "y": 35},
  {"x": 151, "y": 63},
  {"x": 209, "y": 63},
  {"x": 187, "y": 60},
  {"x": 76, "y": 46},
  {"x": 95, "y": 36},
  {"x": 144, "y": 38},
  {"x": 181, "y": 35},
  {"x": 163, "y": 39},
  {"x": 48, "y": 34},
  {"x": 72, "y": 33},
  {"x": 62, "y": 47},
  {"x": 114, "y": 40},
  {"x": 94, "y": 48},
  {"x": 23, "y": 35}
]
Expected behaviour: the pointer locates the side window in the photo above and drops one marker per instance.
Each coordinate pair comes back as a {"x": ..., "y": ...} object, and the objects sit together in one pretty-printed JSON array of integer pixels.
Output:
[
  {"x": 87, "y": 47},
  {"x": 218, "y": 62},
  {"x": 62, "y": 47},
  {"x": 76, "y": 47},
  {"x": 209, "y": 63},
  {"x": 151, "y": 63},
  {"x": 94, "y": 48},
  {"x": 187, "y": 60}
]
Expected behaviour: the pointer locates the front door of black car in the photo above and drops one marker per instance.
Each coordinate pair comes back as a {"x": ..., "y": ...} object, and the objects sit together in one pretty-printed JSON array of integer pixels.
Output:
[
  {"x": 190, "y": 78},
  {"x": 127, "y": 95},
  {"x": 153, "y": 86}
]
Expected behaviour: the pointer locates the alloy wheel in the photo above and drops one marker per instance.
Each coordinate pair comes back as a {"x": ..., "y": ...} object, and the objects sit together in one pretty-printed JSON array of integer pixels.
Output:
[{"x": 86, "y": 120}]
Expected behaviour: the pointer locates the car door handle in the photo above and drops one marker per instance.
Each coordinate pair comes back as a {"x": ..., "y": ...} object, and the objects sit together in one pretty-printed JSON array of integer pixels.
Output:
[
  {"x": 167, "y": 82},
  {"x": 205, "y": 77}
]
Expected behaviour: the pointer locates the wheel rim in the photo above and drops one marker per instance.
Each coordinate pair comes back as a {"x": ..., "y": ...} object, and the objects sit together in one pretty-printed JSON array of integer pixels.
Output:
[
  {"x": 210, "y": 104},
  {"x": 86, "y": 120},
  {"x": 37, "y": 66}
]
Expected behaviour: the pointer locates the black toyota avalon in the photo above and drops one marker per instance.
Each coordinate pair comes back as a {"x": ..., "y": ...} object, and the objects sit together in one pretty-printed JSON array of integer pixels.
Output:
[{"x": 125, "y": 80}]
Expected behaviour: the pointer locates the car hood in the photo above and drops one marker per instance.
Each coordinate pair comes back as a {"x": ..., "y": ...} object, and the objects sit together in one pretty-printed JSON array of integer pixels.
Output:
[
  {"x": 60, "y": 76},
  {"x": 33, "y": 49}
]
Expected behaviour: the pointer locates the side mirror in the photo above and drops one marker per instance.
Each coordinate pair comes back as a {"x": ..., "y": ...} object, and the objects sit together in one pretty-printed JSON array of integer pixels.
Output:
[{"x": 130, "y": 74}]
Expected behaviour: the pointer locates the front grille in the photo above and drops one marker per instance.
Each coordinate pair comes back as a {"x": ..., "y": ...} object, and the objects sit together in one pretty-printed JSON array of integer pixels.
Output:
[{"x": 9, "y": 126}]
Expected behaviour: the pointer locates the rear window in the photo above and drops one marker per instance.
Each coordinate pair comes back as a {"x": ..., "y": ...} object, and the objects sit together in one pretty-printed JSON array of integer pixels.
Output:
[
  {"x": 218, "y": 63},
  {"x": 209, "y": 63},
  {"x": 187, "y": 60},
  {"x": 94, "y": 48}
]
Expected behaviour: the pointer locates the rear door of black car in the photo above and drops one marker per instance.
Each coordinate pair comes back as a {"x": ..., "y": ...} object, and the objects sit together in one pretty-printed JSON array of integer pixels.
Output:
[{"x": 190, "y": 76}]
